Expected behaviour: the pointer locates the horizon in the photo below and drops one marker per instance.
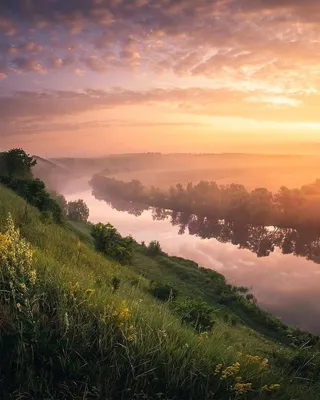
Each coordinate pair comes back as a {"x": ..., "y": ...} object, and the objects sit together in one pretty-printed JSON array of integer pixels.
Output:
[{"x": 118, "y": 76}]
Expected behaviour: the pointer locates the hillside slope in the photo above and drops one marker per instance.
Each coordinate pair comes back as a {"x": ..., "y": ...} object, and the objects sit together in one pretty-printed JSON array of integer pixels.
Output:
[{"x": 68, "y": 333}]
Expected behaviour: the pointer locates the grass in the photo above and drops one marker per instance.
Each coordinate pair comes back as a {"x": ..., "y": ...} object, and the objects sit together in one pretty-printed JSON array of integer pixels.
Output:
[{"x": 71, "y": 336}]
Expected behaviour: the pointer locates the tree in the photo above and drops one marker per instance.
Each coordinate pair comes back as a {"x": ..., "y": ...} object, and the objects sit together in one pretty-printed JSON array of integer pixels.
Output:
[
  {"x": 78, "y": 211},
  {"x": 260, "y": 205},
  {"x": 16, "y": 163}
]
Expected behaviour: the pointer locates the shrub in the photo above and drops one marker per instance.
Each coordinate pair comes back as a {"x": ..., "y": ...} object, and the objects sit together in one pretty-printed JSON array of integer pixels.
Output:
[
  {"x": 163, "y": 292},
  {"x": 154, "y": 248},
  {"x": 109, "y": 241},
  {"x": 196, "y": 313},
  {"x": 115, "y": 281}
]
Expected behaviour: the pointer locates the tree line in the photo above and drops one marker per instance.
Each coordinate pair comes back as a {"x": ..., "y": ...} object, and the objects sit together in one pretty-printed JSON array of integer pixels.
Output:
[{"x": 287, "y": 208}]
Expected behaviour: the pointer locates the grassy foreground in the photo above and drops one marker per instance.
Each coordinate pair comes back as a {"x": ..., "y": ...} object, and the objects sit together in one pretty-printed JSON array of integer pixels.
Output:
[{"x": 65, "y": 333}]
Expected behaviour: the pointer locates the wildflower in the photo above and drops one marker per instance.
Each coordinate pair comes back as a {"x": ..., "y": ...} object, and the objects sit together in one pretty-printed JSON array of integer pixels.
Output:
[
  {"x": 123, "y": 314},
  {"x": 23, "y": 287},
  {"x": 252, "y": 359},
  {"x": 19, "y": 307},
  {"x": 203, "y": 337},
  {"x": 264, "y": 364},
  {"x": 242, "y": 388},
  {"x": 89, "y": 292},
  {"x": 32, "y": 277},
  {"x": 270, "y": 388},
  {"x": 230, "y": 371},
  {"x": 131, "y": 333},
  {"x": 218, "y": 369}
]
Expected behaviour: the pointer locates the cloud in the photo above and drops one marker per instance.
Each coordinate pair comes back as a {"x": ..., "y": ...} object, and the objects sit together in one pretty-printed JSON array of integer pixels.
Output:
[
  {"x": 209, "y": 102},
  {"x": 7, "y": 26},
  {"x": 79, "y": 72},
  {"x": 258, "y": 44},
  {"x": 31, "y": 64},
  {"x": 99, "y": 63},
  {"x": 59, "y": 62}
]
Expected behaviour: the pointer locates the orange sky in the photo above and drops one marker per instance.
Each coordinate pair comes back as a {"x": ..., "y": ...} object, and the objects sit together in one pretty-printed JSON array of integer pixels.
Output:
[{"x": 101, "y": 76}]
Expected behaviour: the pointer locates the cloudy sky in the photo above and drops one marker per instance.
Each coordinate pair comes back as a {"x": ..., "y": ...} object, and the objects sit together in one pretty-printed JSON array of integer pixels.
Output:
[{"x": 84, "y": 77}]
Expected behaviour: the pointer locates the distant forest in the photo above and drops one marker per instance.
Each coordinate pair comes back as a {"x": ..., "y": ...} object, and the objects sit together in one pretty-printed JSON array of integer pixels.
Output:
[{"x": 287, "y": 208}]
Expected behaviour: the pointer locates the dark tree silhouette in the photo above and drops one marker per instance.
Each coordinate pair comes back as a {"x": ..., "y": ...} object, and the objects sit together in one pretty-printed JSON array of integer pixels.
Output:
[{"x": 78, "y": 211}]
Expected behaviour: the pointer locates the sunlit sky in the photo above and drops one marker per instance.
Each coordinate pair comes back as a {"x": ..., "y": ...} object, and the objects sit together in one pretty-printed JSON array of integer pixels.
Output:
[{"x": 91, "y": 77}]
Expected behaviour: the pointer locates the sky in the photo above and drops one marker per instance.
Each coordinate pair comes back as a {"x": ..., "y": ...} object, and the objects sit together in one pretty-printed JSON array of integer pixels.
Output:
[{"x": 93, "y": 77}]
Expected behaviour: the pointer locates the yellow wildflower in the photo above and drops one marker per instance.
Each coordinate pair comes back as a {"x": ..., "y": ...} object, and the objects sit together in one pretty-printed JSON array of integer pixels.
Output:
[
  {"x": 123, "y": 311},
  {"x": 89, "y": 292},
  {"x": 19, "y": 307},
  {"x": 203, "y": 337},
  {"x": 23, "y": 287},
  {"x": 252, "y": 359},
  {"x": 131, "y": 333},
  {"x": 218, "y": 369},
  {"x": 33, "y": 277},
  {"x": 271, "y": 388},
  {"x": 230, "y": 371},
  {"x": 242, "y": 388},
  {"x": 264, "y": 364}
]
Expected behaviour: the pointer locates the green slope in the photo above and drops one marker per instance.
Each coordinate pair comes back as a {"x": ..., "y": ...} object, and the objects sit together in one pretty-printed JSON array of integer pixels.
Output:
[{"x": 70, "y": 336}]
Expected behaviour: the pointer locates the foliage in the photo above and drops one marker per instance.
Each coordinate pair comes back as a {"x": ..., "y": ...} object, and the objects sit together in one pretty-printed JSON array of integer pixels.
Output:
[
  {"x": 163, "y": 292},
  {"x": 16, "y": 163},
  {"x": 109, "y": 241},
  {"x": 154, "y": 248},
  {"x": 61, "y": 200},
  {"x": 81, "y": 338},
  {"x": 77, "y": 211},
  {"x": 34, "y": 192},
  {"x": 115, "y": 281},
  {"x": 195, "y": 312},
  {"x": 232, "y": 203}
]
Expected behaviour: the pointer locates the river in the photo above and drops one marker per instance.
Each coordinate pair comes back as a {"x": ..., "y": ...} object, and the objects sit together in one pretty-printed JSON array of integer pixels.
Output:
[{"x": 285, "y": 285}]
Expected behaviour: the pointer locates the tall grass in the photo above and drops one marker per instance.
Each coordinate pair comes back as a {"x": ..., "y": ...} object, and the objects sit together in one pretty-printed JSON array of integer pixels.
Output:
[{"x": 73, "y": 337}]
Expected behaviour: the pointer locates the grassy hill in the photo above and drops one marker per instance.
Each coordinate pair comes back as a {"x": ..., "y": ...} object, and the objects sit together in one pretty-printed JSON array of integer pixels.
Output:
[{"x": 67, "y": 332}]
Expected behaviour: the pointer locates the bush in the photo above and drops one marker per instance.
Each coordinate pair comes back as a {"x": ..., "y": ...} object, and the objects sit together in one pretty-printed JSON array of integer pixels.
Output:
[
  {"x": 115, "y": 281},
  {"x": 109, "y": 241},
  {"x": 163, "y": 292},
  {"x": 196, "y": 313},
  {"x": 154, "y": 248}
]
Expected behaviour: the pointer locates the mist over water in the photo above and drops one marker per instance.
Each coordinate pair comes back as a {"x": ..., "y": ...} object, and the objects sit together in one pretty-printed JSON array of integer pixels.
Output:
[{"x": 284, "y": 284}]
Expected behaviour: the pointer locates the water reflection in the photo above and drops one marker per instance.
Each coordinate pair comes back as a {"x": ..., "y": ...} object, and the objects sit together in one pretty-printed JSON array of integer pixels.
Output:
[
  {"x": 260, "y": 240},
  {"x": 284, "y": 284}
]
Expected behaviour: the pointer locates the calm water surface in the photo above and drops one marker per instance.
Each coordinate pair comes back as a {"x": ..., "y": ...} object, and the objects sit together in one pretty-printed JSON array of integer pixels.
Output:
[{"x": 285, "y": 285}]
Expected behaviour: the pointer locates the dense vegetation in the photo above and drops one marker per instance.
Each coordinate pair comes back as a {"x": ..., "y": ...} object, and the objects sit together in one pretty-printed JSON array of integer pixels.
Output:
[
  {"x": 288, "y": 208},
  {"x": 16, "y": 173},
  {"x": 109, "y": 241},
  {"x": 259, "y": 239},
  {"x": 68, "y": 333},
  {"x": 77, "y": 324}
]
